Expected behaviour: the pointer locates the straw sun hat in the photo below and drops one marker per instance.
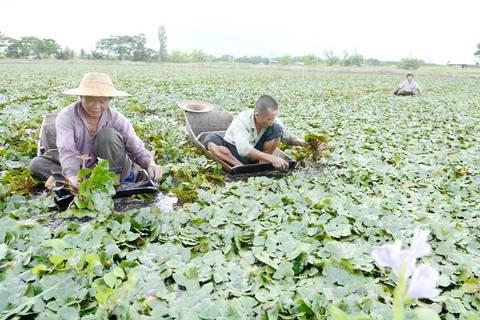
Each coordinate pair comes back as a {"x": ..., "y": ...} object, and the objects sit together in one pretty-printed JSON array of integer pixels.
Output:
[
  {"x": 195, "y": 106},
  {"x": 96, "y": 84}
]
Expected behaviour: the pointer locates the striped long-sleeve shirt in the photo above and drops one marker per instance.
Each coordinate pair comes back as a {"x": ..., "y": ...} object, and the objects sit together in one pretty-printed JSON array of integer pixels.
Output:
[{"x": 74, "y": 139}]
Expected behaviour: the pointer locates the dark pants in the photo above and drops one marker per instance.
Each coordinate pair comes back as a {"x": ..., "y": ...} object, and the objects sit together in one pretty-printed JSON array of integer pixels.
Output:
[
  {"x": 400, "y": 92},
  {"x": 108, "y": 145},
  {"x": 273, "y": 132}
]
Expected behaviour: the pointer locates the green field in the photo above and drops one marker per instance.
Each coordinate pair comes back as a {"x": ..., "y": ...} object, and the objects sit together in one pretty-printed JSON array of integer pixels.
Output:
[{"x": 262, "y": 248}]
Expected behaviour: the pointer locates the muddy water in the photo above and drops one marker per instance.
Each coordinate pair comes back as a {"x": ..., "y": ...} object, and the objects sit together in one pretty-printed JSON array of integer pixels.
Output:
[{"x": 164, "y": 202}]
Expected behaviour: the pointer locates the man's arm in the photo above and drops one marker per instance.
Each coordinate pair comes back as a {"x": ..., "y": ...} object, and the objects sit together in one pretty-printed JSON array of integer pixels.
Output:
[
  {"x": 133, "y": 144},
  {"x": 67, "y": 149},
  {"x": 245, "y": 149},
  {"x": 135, "y": 147},
  {"x": 418, "y": 88},
  {"x": 277, "y": 162}
]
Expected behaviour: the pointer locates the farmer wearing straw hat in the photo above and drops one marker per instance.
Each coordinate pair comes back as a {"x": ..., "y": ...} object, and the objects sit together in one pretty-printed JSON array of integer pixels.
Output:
[{"x": 89, "y": 129}]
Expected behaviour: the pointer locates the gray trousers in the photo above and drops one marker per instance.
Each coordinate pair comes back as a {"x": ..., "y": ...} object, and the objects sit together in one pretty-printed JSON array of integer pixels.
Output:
[{"x": 108, "y": 145}]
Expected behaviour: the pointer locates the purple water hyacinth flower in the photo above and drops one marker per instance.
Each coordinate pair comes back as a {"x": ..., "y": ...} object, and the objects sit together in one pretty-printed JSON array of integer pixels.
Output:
[
  {"x": 423, "y": 283},
  {"x": 403, "y": 261},
  {"x": 422, "y": 279},
  {"x": 420, "y": 246},
  {"x": 75, "y": 260},
  {"x": 392, "y": 256}
]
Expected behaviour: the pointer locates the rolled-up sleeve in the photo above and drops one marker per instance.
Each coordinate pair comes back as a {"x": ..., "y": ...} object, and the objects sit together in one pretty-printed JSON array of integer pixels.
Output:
[
  {"x": 133, "y": 144},
  {"x": 67, "y": 151}
]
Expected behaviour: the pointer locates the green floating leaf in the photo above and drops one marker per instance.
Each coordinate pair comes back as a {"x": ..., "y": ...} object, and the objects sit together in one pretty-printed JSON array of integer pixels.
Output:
[
  {"x": 56, "y": 259},
  {"x": 471, "y": 285},
  {"x": 338, "y": 227},
  {"x": 39, "y": 268},
  {"x": 110, "y": 279},
  {"x": 426, "y": 314},
  {"x": 339, "y": 314},
  {"x": 285, "y": 269}
]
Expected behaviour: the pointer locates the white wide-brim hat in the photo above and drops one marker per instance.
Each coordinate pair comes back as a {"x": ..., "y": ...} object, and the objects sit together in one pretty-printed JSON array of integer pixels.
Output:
[{"x": 95, "y": 84}]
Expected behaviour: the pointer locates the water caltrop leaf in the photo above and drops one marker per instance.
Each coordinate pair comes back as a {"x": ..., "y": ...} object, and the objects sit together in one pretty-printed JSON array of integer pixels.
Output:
[
  {"x": 285, "y": 269},
  {"x": 110, "y": 279},
  {"x": 338, "y": 227},
  {"x": 471, "y": 285},
  {"x": 56, "y": 259},
  {"x": 39, "y": 268},
  {"x": 276, "y": 246},
  {"x": 426, "y": 314}
]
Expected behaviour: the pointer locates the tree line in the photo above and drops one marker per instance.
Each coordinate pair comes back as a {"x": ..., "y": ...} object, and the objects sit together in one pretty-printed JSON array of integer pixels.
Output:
[{"x": 134, "y": 48}]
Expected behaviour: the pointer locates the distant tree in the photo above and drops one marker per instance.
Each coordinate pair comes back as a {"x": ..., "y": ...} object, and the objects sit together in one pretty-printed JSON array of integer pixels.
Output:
[
  {"x": 15, "y": 49},
  {"x": 120, "y": 47},
  {"x": 285, "y": 59},
  {"x": 123, "y": 48},
  {"x": 410, "y": 63},
  {"x": 225, "y": 58},
  {"x": 32, "y": 48},
  {"x": 330, "y": 58},
  {"x": 97, "y": 55},
  {"x": 162, "y": 39},
  {"x": 199, "y": 56},
  {"x": 373, "y": 62},
  {"x": 3, "y": 40},
  {"x": 353, "y": 59},
  {"x": 83, "y": 54},
  {"x": 179, "y": 56},
  {"x": 141, "y": 52},
  {"x": 309, "y": 59},
  {"x": 477, "y": 53},
  {"x": 145, "y": 54},
  {"x": 65, "y": 54},
  {"x": 50, "y": 48}
]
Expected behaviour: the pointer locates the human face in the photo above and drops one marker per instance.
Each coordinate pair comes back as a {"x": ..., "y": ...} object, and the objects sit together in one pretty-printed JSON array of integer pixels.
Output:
[
  {"x": 265, "y": 121},
  {"x": 410, "y": 78},
  {"x": 95, "y": 106}
]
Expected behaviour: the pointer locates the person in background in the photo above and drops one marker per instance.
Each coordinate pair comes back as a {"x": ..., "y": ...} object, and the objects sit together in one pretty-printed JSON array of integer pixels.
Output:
[{"x": 408, "y": 87}]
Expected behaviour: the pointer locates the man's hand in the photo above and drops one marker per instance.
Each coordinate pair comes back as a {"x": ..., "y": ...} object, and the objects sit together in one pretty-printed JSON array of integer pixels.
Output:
[
  {"x": 279, "y": 163},
  {"x": 73, "y": 183},
  {"x": 299, "y": 142},
  {"x": 154, "y": 171}
]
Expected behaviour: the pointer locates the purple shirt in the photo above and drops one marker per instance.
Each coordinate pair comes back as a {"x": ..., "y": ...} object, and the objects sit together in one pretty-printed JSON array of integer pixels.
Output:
[{"x": 73, "y": 138}]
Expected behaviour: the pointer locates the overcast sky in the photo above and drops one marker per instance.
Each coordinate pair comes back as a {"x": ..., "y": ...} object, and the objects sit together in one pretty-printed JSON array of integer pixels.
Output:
[{"x": 436, "y": 31}]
